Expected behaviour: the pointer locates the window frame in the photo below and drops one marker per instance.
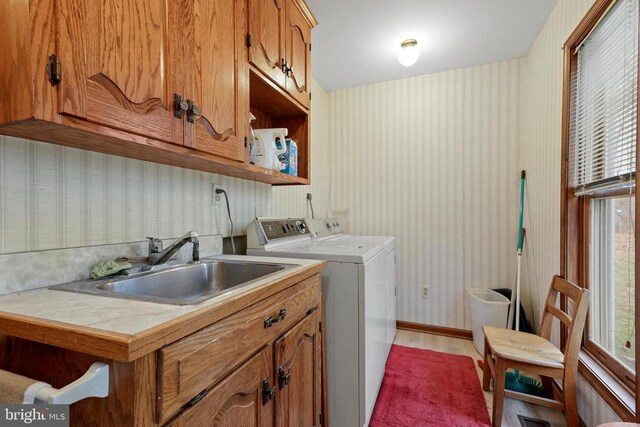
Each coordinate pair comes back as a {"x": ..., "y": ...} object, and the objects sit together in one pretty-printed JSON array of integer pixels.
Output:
[{"x": 574, "y": 238}]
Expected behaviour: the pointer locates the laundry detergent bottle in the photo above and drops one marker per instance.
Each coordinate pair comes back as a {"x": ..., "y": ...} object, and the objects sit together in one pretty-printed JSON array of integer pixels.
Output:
[
  {"x": 267, "y": 146},
  {"x": 290, "y": 158}
]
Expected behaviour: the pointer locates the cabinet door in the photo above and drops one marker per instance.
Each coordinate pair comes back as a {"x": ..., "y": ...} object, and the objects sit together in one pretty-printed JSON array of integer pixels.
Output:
[
  {"x": 121, "y": 64},
  {"x": 298, "y": 54},
  {"x": 218, "y": 77},
  {"x": 237, "y": 400},
  {"x": 266, "y": 31},
  {"x": 298, "y": 370}
]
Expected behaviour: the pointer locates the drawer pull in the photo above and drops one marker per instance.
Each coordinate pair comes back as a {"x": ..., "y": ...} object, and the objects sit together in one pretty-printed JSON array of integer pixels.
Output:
[
  {"x": 268, "y": 393},
  {"x": 269, "y": 321},
  {"x": 196, "y": 399},
  {"x": 283, "y": 378},
  {"x": 193, "y": 111}
]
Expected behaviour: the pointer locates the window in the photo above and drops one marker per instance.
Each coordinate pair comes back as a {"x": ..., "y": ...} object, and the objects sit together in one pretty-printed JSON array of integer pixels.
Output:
[
  {"x": 610, "y": 332},
  {"x": 600, "y": 123}
]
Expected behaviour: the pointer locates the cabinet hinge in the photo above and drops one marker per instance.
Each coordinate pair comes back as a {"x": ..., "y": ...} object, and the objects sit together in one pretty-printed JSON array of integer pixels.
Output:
[
  {"x": 309, "y": 47},
  {"x": 54, "y": 70},
  {"x": 249, "y": 41},
  {"x": 320, "y": 326},
  {"x": 245, "y": 142},
  {"x": 321, "y": 419}
]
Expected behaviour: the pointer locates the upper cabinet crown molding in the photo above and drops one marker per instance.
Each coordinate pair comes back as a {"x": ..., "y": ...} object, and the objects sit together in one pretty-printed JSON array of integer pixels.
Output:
[
  {"x": 306, "y": 13},
  {"x": 167, "y": 82}
]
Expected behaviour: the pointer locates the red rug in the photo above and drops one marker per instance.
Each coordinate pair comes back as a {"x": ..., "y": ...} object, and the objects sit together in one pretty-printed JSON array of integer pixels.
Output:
[{"x": 428, "y": 388}]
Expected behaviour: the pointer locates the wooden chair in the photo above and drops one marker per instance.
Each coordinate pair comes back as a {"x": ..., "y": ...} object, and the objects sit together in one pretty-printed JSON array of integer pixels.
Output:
[{"x": 505, "y": 348}]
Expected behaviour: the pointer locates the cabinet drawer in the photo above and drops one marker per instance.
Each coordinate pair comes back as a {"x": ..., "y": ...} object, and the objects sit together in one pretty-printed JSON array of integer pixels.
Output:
[{"x": 196, "y": 362}]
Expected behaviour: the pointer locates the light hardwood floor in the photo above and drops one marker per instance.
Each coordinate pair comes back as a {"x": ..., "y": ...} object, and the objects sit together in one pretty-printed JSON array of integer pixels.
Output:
[{"x": 465, "y": 347}]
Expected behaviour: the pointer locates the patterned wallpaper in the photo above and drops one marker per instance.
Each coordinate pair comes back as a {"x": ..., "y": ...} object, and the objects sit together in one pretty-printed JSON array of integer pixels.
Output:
[
  {"x": 57, "y": 197},
  {"x": 432, "y": 160}
]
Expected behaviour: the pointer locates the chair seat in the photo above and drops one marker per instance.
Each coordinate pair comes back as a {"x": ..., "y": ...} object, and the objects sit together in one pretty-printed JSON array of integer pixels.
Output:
[{"x": 523, "y": 347}]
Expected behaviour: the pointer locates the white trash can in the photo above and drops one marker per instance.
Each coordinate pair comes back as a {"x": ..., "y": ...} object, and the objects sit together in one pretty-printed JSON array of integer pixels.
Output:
[{"x": 488, "y": 308}]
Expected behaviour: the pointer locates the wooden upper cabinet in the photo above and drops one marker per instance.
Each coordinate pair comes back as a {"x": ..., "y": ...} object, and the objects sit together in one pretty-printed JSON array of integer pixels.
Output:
[
  {"x": 217, "y": 77},
  {"x": 117, "y": 65},
  {"x": 236, "y": 401},
  {"x": 266, "y": 37},
  {"x": 104, "y": 75},
  {"x": 298, "y": 54},
  {"x": 298, "y": 371}
]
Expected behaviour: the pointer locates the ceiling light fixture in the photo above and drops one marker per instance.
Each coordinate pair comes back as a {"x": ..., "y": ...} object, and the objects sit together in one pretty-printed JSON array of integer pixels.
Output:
[{"x": 409, "y": 52}]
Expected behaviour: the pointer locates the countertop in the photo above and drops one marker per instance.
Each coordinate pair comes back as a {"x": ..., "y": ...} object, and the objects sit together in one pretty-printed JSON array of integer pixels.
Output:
[{"x": 124, "y": 330}]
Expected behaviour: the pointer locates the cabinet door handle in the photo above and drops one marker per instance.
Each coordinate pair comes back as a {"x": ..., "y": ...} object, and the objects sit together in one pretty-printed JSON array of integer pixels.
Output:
[
  {"x": 268, "y": 393},
  {"x": 269, "y": 321},
  {"x": 193, "y": 111},
  {"x": 179, "y": 105},
  {"x": 283, "y": 377}
]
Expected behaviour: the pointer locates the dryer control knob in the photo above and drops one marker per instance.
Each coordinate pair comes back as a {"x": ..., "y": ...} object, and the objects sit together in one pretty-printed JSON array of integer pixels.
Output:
[{"x": 302, "y": 228}]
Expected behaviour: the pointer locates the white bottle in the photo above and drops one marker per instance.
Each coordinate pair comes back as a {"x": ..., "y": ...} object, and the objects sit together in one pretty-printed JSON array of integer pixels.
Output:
[
  {"x": 268, "y": 145},
  {"x": 256, "y": 147}
]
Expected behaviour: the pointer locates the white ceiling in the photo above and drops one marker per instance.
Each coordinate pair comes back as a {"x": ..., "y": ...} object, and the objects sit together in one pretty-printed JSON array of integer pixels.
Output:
[{"x": 357, "y": 41}]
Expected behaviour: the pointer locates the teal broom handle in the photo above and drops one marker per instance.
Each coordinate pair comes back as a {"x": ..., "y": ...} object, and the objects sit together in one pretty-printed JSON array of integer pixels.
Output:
[{"x": 520, "y": 236}]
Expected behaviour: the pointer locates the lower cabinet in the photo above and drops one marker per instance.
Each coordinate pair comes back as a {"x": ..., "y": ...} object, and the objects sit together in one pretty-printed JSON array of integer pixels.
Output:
[
  {"x": 259, "y": 367},
  {"x": 261, "y": 393}
]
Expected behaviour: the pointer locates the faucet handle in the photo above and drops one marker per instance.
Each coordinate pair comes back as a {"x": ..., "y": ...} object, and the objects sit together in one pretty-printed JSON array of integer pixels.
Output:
[{"x": 155, "y": 245}]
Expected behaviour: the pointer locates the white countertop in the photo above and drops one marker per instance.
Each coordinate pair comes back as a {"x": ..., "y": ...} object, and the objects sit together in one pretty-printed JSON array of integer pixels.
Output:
[{"x": 122, "y": 316}]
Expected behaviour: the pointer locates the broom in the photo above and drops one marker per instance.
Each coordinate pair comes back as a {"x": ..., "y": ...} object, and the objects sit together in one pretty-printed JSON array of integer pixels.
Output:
[{"x": 514, "y": 380}]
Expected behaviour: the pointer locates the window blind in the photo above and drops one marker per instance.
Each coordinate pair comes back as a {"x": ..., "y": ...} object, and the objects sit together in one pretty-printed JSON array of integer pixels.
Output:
[{"x": 605, "y": 101}]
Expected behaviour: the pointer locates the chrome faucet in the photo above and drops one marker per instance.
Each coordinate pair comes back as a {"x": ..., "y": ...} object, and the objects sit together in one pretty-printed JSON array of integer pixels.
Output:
[{"x": 159, "y": 256}]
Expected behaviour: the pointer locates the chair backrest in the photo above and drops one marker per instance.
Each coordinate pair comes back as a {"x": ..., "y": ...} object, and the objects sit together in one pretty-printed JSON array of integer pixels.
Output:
[{"x": 574, "y": 324}]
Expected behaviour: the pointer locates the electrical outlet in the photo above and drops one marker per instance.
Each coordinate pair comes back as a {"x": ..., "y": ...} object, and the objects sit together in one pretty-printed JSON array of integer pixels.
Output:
[
  {"x": 216, "y": 198},
  {"x": 426, "y": 292}
]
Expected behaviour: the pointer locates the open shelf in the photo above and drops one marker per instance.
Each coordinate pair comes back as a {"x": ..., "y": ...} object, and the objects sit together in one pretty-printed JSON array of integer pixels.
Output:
[{"x": 274, "y": 108}]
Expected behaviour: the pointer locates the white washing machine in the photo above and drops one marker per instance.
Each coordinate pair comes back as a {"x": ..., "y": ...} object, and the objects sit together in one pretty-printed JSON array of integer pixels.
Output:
[{"x": 359, "y": 300}]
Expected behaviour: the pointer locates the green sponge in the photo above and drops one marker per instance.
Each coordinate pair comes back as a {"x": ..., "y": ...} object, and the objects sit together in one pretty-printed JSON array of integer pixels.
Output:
[{"x": 108, "y": 267}]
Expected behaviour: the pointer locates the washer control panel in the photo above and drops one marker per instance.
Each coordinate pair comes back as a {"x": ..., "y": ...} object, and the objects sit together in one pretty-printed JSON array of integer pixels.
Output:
[
  {"x": 323, "y": 227},
  {"x": 281, "y": 228}
]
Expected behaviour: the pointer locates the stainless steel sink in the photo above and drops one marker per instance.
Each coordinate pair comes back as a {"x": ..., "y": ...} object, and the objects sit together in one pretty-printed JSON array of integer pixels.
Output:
[{"x": 181, "y": 285}]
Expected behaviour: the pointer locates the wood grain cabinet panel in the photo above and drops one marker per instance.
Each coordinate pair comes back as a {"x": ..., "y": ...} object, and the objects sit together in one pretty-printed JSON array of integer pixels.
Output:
[
  {"x": 121, "y": 64},
  {"x": 196, "y": 362},
  {"x": 103, "y": 75},
  {"x": 298, "y": 54},
  {"x": 237, "y": 400},
  {"x": 266, "y": 42},
  {"x": 298, "y": 361},
  {"x": 218, "y": 77}
]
